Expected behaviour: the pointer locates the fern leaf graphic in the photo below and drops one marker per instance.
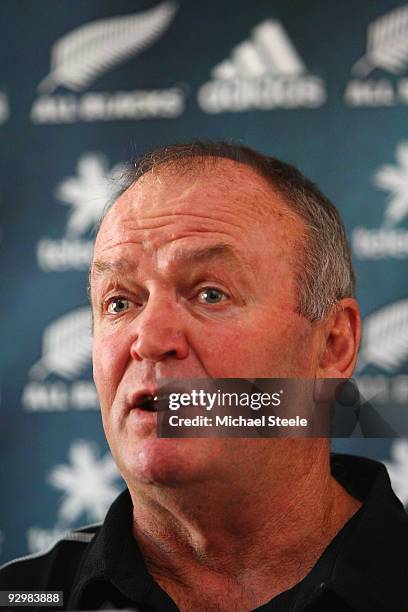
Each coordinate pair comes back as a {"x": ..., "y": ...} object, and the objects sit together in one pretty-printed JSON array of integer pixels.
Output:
[
  {"x": 67, "y": 346},
  {"x": 387, "y": 44},
  {"x": 385, "y": 337},
  {"x": 82, "y": 55}
]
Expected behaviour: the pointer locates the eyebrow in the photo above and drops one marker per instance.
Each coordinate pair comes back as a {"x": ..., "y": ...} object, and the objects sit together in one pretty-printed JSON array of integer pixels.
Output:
[
  {"x": 204, "y": 254},
  {"x": 102, "y": 268},
  {"x": 190, "y": 256}
]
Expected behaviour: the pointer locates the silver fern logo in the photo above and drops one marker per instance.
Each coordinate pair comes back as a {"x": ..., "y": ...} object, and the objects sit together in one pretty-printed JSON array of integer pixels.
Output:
[
  {"x": 83, "y": 55},
  {"x": 89, "y": 192},
  {"x": 263, "y": 72},
  {"x": 386, "y": 50},
  {"x": 66, "y": 347},
  {"x": 394, "y": 179},
  {"x": 385, "y": 338},
  {"x": 387, "y": 44},
  {"x": 56, "y": 380}
]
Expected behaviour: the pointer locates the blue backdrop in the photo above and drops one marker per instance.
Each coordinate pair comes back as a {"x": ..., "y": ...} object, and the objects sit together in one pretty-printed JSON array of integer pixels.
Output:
[{"x": 87, "y": 84}]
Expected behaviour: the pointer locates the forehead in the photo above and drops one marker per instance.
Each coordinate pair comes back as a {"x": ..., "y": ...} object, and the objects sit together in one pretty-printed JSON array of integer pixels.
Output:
[{"x": 223, "y": 199}]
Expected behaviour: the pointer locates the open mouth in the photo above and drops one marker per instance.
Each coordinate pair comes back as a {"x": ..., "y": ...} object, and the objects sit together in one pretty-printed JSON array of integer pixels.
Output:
[{"x": 148, "y": 403}]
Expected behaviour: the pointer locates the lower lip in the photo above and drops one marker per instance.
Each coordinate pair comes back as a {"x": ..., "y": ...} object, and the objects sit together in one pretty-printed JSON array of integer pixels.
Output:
[{"x": 139, "y": 416}]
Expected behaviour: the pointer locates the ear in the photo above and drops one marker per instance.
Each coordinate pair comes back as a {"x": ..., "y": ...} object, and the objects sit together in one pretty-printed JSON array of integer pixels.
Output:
[{"x": 341, "y": 339}]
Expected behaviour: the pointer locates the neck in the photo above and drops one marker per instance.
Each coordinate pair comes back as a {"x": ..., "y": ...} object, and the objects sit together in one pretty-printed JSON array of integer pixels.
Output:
[{"x": 255, "y": 537}]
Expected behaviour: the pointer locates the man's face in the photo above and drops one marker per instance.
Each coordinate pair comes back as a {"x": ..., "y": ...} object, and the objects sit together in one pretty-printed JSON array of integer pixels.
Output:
[{"x": 193, "y": 277}]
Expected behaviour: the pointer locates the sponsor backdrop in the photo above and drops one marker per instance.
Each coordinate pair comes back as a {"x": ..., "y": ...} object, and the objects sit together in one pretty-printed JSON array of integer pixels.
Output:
[{"x": 87, "y": 84}]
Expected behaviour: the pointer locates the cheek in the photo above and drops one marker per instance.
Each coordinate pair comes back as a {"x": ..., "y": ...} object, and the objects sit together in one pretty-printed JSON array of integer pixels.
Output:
[
  {"x": 287, "y": 348},
  {"x": 270, "y": 346},
  {"x": 110, "y": 357},
  {"x": 232, "y": 352}
]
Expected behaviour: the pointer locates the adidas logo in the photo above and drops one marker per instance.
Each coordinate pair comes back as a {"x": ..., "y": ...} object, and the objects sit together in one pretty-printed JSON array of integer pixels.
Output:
[
  {"x": 263, "y": 72},
  {"x": 270, "y": 51}
]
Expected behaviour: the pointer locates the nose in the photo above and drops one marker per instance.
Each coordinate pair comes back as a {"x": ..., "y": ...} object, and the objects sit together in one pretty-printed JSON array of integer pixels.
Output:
[{"x": 160, "y": 332}]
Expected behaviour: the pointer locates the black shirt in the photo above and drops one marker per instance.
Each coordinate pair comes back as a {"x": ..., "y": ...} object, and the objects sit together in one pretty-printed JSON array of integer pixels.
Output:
[{"x": 364, "y": 569}]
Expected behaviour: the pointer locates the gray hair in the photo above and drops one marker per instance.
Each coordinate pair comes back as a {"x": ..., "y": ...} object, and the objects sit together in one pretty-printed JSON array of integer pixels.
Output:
[{"x": 326, "y": 273}]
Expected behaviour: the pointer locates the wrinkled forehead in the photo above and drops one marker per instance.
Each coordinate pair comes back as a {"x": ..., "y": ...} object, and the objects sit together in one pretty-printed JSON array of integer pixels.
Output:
[
  {"x": 220, "y": 188},
  {"x": 167, "y": 215}
]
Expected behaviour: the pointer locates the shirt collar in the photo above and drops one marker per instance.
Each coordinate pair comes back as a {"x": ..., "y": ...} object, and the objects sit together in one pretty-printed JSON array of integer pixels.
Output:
[{"x": 114, "y": 556}]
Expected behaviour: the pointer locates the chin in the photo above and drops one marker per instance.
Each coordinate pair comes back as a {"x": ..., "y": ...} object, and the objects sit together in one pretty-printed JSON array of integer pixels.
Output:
[{"x": 161, "y": 461}]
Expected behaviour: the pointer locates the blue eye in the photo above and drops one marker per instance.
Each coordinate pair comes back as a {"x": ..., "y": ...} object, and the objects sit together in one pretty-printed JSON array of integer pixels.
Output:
[
  {"x": 117, "y": 305},
  {"x": 211, "y": 295}
]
